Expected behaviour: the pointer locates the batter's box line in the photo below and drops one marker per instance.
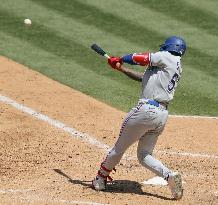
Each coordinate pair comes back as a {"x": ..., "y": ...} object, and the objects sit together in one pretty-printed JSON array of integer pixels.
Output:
[
  {"x": 7, "y": 191},
  {"x": 84, "y": 136},
  {"x": 40, "y": 199}
]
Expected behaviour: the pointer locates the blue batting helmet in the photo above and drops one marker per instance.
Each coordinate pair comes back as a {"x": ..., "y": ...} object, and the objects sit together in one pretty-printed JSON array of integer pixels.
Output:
[{"x": 174, "y": 44}]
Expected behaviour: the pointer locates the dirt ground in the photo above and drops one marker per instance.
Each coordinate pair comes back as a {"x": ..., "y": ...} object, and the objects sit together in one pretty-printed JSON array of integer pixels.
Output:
[{"x": 41, "y": 164}]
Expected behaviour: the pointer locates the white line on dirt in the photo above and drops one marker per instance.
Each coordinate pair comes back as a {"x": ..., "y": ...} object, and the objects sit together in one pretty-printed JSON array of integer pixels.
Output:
[
  {"x": 6, "y": 191},
  {"x": 84, "y": 136},
  {"x": 55, "y": 123},
  {"x": 45, "y": 200},
  {"x": 36, "y": 198},
  {"x": 42, "y": 199},
  {"x": 188, "y": 154},
  {"x": 194, "y": 116}
]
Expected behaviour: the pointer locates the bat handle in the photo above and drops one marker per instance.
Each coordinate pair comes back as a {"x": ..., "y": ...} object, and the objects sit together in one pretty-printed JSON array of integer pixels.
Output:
[{"x": 106, "y": 55}]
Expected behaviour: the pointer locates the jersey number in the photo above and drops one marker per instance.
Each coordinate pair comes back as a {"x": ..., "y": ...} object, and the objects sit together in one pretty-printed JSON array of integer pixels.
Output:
[{"x": 172, "y": 82}]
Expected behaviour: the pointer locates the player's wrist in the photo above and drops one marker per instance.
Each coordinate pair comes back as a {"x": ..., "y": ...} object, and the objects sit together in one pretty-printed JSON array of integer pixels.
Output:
[{"x": 119, "y": 66}]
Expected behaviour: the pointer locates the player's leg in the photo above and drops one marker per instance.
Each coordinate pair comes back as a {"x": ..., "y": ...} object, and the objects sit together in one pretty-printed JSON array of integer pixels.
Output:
[
  {"x": 131, "y": 131},
  {"x": 145, "y": 149}
]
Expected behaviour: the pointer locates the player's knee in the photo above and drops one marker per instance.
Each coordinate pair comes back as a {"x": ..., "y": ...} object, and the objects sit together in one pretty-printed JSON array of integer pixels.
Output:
[
  {"x": 142, "y": 156},
  {"x": 115, "y": 153}
]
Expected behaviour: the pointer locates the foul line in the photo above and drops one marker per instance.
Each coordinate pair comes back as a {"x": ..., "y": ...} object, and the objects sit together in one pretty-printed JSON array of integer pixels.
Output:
[
  {"x": 194, "y": 116},
  {"x": 36, "y": 198},
  {"x": 188, "y": 154},
  {"x": 54, "y": 123},
  {"x": 6, "y": 191},
  {"x": 84, "y": 136}
]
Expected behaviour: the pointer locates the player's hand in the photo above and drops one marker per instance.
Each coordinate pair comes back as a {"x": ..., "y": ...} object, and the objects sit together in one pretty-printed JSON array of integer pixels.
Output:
[{"x": 115, "y": 62}]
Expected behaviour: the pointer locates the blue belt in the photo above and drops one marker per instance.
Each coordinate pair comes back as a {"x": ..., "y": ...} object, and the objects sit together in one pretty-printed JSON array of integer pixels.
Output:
[{"x": 155, "y": 103}]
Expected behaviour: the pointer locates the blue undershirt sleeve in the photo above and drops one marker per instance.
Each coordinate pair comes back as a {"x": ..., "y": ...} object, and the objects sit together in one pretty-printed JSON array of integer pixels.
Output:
[{"x": 128, "y": 59}]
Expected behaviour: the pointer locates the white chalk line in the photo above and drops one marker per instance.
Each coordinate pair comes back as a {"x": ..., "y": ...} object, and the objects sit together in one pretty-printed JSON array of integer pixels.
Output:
[
  {"x": 194, "y": 116},
  {"x": 177, "y": 153},
  {"x": 84, "y": 136},
  {"x": 6, "y": 191},
  {"x": 55, "y": 123},
  {"x": 59, "y": 201},
  {"x": 187, "y": 154},
  {"x": 38, "y": 198}
]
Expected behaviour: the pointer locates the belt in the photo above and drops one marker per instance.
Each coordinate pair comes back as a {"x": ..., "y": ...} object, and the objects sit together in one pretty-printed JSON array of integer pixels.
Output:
[{"x": 155, "y": 103}]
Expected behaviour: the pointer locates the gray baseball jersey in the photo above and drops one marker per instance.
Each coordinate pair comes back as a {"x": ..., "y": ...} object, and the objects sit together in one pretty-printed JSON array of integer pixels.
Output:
[{"x": 161, "y": 78}]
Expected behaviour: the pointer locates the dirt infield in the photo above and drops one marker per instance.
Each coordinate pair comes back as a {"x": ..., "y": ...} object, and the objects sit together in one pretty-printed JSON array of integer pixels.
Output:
[{"x": 41, "y": 164}]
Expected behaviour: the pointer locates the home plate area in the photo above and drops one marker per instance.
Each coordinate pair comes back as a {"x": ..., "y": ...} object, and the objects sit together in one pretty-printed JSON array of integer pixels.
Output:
[{"x": 156, "y": 181}]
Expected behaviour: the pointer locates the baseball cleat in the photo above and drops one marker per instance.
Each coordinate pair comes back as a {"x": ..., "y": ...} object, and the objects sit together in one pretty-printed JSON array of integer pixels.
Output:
[
  {"x": 99, "y": 183},
  {"x": 175, "y": 184}
]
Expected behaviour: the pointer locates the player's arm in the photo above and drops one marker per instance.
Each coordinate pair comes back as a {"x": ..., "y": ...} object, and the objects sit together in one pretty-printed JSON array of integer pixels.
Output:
[
  {"x": 142, "y": 59},
  {"x": 131, "y": 73},
  {"x": 116, "y": 63}
]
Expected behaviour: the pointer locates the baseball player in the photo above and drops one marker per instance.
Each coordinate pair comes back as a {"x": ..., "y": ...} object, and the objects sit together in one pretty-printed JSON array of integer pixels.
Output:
[{"x": 146, "y": 121}]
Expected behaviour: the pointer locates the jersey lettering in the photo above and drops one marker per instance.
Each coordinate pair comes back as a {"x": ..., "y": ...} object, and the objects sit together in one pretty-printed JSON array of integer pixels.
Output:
[{"x": 172, "y": 82}]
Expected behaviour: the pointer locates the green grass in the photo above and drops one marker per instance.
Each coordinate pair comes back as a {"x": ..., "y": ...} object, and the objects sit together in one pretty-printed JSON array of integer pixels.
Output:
[{"x": 58, "y": 45}]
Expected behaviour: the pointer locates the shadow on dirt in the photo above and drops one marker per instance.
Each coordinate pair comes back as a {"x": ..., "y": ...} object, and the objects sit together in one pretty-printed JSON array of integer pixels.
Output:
[
  {"x": 127, "y": 186},
  {"x": 84, "y": 183},
  {"x": 117, "y": 186}
]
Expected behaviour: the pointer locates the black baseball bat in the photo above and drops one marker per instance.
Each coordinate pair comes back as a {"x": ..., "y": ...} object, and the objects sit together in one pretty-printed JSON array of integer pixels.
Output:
[{"x": 99, "y": 50}]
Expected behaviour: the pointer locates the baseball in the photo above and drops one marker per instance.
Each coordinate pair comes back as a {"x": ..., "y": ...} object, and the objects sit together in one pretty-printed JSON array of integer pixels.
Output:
[{"x": 27, "y": 22}]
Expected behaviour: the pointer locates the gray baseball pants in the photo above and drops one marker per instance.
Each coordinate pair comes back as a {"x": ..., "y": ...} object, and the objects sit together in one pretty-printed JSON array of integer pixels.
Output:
[{"x": 144, "y": 123}]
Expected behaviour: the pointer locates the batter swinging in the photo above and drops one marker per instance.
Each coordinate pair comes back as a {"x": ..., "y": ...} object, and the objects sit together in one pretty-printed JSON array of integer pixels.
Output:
[{"x": 145, "y": 122}]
